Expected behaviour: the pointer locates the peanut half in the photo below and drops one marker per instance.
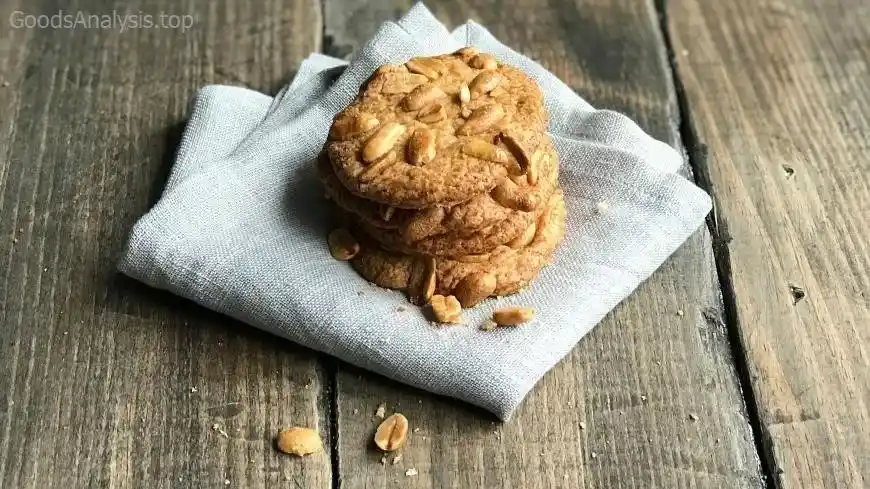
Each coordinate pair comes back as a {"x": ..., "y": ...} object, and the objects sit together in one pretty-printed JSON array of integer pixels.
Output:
[
  {"x": 342, "y": 245},
  {"x": 423, "y": 96},
  {"x": 432, "y": 114},
  {"x": 386, "y": 212},
  {"x": 398, "y": 82},
  {"x": 483, "y": 61},
  {"x": 481, "y": 120},
  {"x": 509, "y": 195},
  {"x": 484, "y": 82},
  {"x": 392, "y": 433},
  {"x": 467, "y": 53},
  {"x": 382, "y": 141},
  {"x": 348, "y": 126},
  {"x": 534, "y": 168},
  {"x": 479, "y": 148},
  {"x": 446, "y": 309},
  {"x": 516, "y": 148},
  {"x": 422, "y": 281},
  {"x": 299, "y": 441},
  {"x": 431, "y": 68},
  {"x": 464, "y": 98},
  {"x": 512, "y": 316},
  {"x": 421, "y": 146}
]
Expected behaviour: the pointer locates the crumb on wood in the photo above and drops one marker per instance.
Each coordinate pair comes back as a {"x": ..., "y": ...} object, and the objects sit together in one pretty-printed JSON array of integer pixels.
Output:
[
  {"x": 693, "y": 417},
  {"x": 384, "y": 460},
  {"x": 194, "y": 389},
  {"x": 226, "y": 482},
  {"x": 797, "y": 293},
  {"x": 356, "y": 411},
  {"x": 680, "y": 312},
  {"x": 411, "y": 472},
  {"x": 416, "y": 430},
  {"x": 217, "y": 428},
  {"x": 396, "y": 459},
  {"x": 789, "y": 171},
  {"x": 685, "y": 52},
  {"x": 643, "y": 398},
  {"x": 594, "y": 455},
  {"x": 602, "y": 207},
  {"x": 5, "y": 83},
  {"x": 381, "y": 411},
  {"x": 582, "y": 425}
]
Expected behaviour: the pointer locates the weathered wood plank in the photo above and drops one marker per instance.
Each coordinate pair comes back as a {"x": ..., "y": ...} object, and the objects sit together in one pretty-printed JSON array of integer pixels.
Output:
[
  {"x": 638, "y": 379},
  {"x": 779, "y": 92},
  {"x": 103, "y": 382}
]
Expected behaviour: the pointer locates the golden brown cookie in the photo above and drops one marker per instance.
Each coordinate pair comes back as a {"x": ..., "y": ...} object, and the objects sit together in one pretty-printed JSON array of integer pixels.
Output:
[
  {"x": 473, "y": 227},
  {"x": 505, "y": 270},
  {"x": 437, "y": 131}
]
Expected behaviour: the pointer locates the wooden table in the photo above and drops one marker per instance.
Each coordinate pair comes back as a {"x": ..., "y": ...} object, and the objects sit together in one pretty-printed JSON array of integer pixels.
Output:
[{"x": 744, "y": 362}]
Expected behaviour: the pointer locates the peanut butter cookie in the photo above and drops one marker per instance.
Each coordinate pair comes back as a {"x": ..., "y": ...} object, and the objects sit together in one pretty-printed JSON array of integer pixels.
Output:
[{"x": 438, "y": 131}]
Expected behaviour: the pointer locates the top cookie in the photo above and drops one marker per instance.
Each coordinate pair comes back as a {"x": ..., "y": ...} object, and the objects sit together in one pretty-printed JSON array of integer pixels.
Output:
[{"x": 437, "y": 131}]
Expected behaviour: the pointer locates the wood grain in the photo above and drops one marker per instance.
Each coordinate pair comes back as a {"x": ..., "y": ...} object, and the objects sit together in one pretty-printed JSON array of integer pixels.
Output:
[
  {"x": 779, "y": 92},
  {"x": 103, "y": 382},
  {"x": 618, "y": 411}
]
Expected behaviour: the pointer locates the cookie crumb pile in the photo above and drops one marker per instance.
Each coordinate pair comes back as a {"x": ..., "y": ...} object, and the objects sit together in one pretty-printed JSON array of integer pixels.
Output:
[{"x": 445, "y": 182}]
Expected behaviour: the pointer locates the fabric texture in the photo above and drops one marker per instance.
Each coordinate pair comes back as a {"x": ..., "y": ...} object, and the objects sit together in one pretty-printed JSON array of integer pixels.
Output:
[{"x": 241, "y": 227}]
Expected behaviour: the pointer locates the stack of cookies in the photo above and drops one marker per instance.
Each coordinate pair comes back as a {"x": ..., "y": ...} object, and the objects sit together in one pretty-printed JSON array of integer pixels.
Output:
[{"x": 445, "y": 180}]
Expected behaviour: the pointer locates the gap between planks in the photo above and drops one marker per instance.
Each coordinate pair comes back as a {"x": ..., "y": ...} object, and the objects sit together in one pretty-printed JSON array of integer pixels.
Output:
[{"x": 699, "y": 160}]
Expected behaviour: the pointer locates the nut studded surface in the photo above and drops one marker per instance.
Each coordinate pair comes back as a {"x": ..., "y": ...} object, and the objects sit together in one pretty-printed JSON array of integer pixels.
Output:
[
  {"x": 450, "y": 158},
  {"x": 472, "y": 227},
  {"x": 513, "y": 269}
]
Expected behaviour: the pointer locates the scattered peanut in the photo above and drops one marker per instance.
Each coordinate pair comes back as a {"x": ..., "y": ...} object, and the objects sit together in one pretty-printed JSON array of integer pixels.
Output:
[
  {"x": 446, "y": 309},
  {"x": 299, "y": 441},
  {"x": 512, "y": 316},
  {"x": 392, "y": 432}
]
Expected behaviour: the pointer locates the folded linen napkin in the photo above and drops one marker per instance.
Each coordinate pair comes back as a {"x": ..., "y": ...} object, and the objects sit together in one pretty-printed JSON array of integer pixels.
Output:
[{"x": 241, "y": 226}]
